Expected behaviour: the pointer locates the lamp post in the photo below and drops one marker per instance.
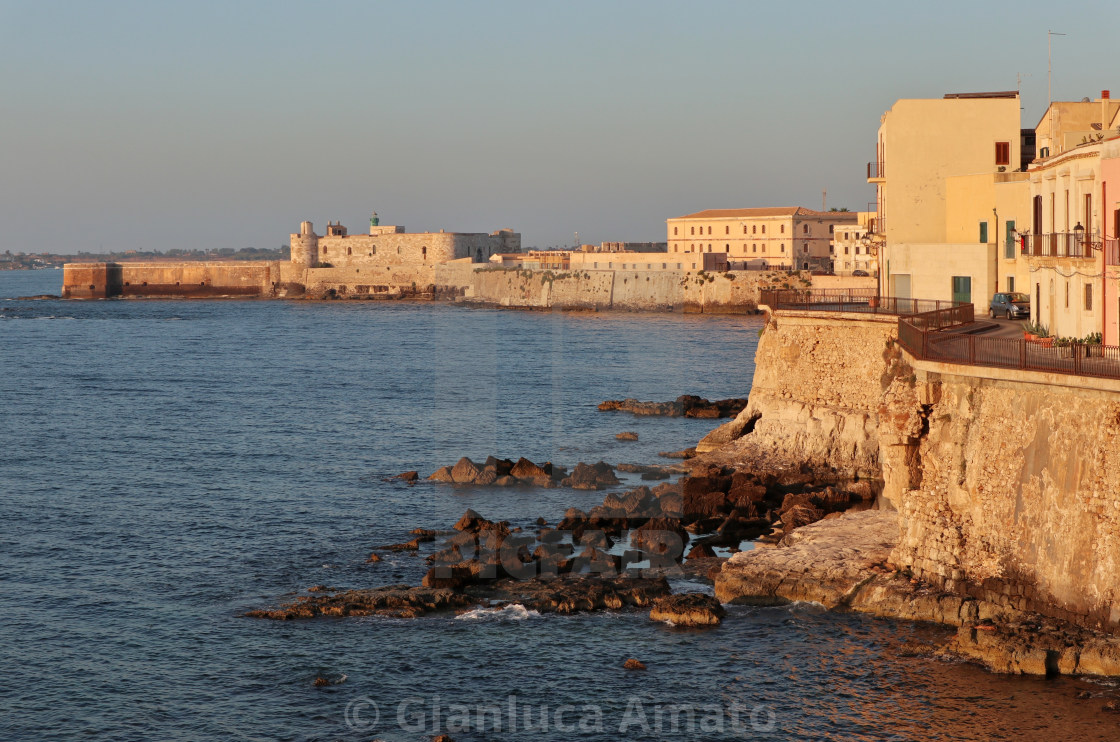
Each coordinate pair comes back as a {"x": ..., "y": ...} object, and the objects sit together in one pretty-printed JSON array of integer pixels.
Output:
[{"x": 1079, "y": 237}]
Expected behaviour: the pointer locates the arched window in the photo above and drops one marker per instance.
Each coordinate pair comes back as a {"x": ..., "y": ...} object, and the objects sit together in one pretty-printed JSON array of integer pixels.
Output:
[
  {"x": 744, "y": 229},
  {"x": 764, "y": 229},
  {"x": 674, "y": 231},
  {"x": 349, "y": 251},
  {"x": 324, "y": 249},
  {"x": 783, "y": 229},
  {"x": 424, "y": 252},
  {"x": 754, "y": 229},
  {"x": 693, "y": 230},
  {"x": 727, "y": 229},
  {"x": 805, "y": 228}
]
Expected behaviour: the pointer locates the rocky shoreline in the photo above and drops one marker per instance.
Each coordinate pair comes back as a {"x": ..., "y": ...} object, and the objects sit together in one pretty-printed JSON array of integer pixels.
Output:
[{"x": 819, "y": 539}]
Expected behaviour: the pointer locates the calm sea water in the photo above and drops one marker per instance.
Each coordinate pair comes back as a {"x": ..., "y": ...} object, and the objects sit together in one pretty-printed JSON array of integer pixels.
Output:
[{"x": 167, "y": 465}]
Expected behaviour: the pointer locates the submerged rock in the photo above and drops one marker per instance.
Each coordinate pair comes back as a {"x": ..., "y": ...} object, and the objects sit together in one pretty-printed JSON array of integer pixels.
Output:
[
  {"x": 686, "y": 405},
  {"x": 401, "y": 601},
  {"x": 633, "y": 664}
]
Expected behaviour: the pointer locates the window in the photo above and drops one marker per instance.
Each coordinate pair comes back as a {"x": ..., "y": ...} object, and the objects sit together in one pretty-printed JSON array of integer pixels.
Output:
[
  {"x": 783, "y": 229},
  {"x": 1010, "y": 284},
  {"x": 805, "y": 229},
  {"x": 764, "y": 229},
  {"x": 324, "y": 249},
  {"x": 674, "y": 231},
  {"x": 349, "y": 251},
  {"x": 1088, "y": 297},
  {"x": 831, "y": 228},
  {"x": 1009, "y": 240},
  {"x": 754, "y": 248},
  {"x": 1003, "y": 153},
  {"x": 727, "y": 248},
  {"x": 754, "y": 229},
  {"x": 845, "y": 249},
  {"x": 744, "y": 229},
  {"x": 1067, "y": 294},
  {"x": 984, "y": 233},
  {"x": 693, "y": 230},
  {"x": 783, "y": 248},
  {"x": 727, "y": 230},
  {"x": 709, "y": 229}
]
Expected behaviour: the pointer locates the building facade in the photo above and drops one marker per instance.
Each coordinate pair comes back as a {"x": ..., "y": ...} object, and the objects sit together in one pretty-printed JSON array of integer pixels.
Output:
[
  {"x": 793, "y": 238},
  {"x": 939, "y": 236}
]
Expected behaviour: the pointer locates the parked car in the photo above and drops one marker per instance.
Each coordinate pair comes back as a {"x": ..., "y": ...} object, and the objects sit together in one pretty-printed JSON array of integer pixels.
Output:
[
  {"x": 1011, "y": 305},
  {"x": 859, "y": 273}
]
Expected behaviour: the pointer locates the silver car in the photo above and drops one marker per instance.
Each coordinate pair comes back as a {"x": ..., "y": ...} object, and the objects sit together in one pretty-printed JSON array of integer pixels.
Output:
[{"x": 1011, "y": 305}]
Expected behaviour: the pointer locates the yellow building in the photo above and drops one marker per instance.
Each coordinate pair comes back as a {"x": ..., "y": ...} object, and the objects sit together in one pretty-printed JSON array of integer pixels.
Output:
[
  {"x": 941, "y": 232},
  {"x": 794, "y": 238}
]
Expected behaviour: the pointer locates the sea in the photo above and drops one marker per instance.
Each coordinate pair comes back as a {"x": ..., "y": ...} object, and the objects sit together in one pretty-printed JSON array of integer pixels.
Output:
[{"x": 166, "y": 466}]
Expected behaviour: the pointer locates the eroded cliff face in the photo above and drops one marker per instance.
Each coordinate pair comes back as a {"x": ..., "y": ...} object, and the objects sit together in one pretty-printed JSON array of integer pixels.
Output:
[
  {"x": 1015, "y": 495},
  {"x": 816, "y": 397},
  {"x": 1007, "y": 483}
]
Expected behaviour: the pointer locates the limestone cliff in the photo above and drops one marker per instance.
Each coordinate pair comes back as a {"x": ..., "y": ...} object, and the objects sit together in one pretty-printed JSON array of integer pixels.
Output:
[
  {"x": 816, "y": 396},
  {"x": 1006, "y": 483}
]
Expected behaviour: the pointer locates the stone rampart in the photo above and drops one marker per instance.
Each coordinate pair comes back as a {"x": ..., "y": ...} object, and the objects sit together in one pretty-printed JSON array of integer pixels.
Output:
[
  {"x": 633, "y": 290},
  {"x": 188, "y": 279}
]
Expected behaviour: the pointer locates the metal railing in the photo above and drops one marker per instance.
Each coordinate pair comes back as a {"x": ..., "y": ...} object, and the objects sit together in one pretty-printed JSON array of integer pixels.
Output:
[
  {"x": 921, "y": 326},
  {"x": 919, "y": 335},
  {"x": 1060, "y": 245},
  {"x": 876, "y": 170},
  {"x": 865, "y": 301}
]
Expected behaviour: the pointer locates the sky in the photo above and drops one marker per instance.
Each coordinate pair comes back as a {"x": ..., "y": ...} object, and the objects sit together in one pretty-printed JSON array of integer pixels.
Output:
[{"x": 159, "y": 125}]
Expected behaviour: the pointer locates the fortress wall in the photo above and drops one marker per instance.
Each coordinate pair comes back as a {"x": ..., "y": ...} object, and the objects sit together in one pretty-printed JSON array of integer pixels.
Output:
[
  {"x": 1007, "y": 483},
  {"x": 189, "y": 279},
  {"x": 655, "y": 290},
  {"x": 397, "y": 248},
  {"x": 370, "y": 279}
]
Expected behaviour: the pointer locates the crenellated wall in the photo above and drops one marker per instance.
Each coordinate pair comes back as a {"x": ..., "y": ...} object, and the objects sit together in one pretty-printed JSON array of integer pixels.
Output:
[{"x": 1007, "y": 483}]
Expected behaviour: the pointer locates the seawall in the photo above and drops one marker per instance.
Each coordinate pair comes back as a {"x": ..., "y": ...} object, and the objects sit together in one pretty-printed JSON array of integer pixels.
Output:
[
  {"x": 460, "y": 280},
  {"x": 1006, "y": 483},
  {"x": 627, "y": 290}
]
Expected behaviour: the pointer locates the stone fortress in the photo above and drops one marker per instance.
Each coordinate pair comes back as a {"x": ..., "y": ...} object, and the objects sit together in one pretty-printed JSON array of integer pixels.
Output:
[{"x": 386, "y": 246}]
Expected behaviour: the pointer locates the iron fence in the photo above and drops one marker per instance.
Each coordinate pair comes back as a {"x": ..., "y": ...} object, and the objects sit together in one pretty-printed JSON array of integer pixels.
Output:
[{"x": 921, "y": 325}]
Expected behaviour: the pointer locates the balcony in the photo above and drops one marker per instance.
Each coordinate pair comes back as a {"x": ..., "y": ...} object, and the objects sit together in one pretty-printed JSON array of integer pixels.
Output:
[
  {"x": 876, "y": 171},
  {"x": 1060, "y": 245}
]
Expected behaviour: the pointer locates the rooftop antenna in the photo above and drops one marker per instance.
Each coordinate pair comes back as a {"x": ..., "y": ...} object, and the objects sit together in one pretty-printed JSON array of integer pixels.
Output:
[{"x": 1049, "y": 75}]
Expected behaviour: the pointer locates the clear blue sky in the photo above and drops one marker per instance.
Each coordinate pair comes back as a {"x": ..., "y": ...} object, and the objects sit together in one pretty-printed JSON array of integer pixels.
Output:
[{"x": 157, "y": 125}]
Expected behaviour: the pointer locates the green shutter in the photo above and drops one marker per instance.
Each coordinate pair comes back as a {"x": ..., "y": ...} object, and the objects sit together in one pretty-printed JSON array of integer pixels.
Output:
[
  {"x": 984, "y": 232},
  {"x": 1009, "y": 250},
  {"x": 962, "y": 289}
]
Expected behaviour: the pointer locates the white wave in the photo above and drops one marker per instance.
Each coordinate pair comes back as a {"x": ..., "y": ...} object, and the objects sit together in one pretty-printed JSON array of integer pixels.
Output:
[{"x": 511, "y": 612}]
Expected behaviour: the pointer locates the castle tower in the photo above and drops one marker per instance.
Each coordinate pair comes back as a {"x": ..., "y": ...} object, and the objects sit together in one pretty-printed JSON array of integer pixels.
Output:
[{"x": 305, "y": 246}]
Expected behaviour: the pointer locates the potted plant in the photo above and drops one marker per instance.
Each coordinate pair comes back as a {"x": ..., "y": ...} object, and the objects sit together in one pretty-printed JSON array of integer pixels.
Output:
[
  {"x": 1093, "y": 344},
  {"x": 1044, "y": 338},
  {"x": 1065, "y": 345},
  {"x": 1030, "y": 332}
]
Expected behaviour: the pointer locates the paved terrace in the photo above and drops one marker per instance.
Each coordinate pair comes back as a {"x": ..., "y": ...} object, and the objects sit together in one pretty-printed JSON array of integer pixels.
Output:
[{"x": 947, "y": 332}]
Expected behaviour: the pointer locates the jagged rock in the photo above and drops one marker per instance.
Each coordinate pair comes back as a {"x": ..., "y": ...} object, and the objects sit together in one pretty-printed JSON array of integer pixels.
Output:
[
  {"x": 687, "y": 404},
  {"x": 319, "y": 682},
  {"x": 465, "y": 471},
  {"x": 443, "y": 474},
  {"x": 374, "y": 558},
  {"x": 399, "y": 601},
  {"x": 486, "y": 477},
  {"x": 628, "y": 435},
  {"x": 505, "y": 481},
  {"x": 412, "y": 545},
  {"x": 687, "y": 453},
  {"x": 633, "y": 664},
  {"x": 688, "y": 609},
  {"x": 591, "y": 476},
  {"x": 800, "y": 515},
  {"x": 572, "y": 593},
  {"x": 525, "y": 469},
  {"x": 651, "y": 476},
  {"x": 409, "y": 476},
  {"x": 471, "y": 522},
  {"x": 701, "y": 551}
]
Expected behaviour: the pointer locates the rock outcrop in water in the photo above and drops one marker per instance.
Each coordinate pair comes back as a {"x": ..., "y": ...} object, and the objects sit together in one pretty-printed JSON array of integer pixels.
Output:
[
  {"x": 687, "y": 405},
  {"x": 688, "y": 609}
]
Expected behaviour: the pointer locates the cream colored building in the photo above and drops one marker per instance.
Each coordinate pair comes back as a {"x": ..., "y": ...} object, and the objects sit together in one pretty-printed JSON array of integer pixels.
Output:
[
  {"x": 794, "y": 238},
  {"x": 1070, "y": 211},
  {"x": 939, "y": 173},
  {"x": 852, "y": 250}
]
